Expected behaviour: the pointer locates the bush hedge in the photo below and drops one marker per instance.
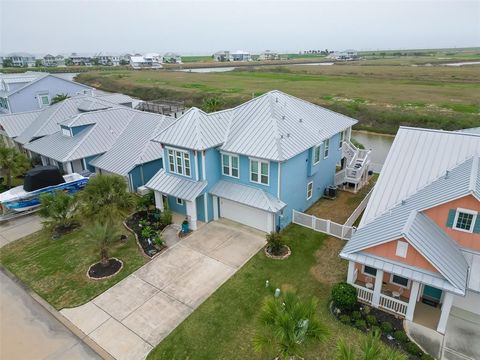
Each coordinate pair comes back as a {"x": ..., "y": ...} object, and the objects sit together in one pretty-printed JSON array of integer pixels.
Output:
[{"x": 344, "y": 296}]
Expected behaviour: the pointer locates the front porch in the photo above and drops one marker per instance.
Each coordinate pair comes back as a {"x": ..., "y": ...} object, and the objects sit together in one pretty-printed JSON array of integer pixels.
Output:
[{"x": 405, "y": 298}]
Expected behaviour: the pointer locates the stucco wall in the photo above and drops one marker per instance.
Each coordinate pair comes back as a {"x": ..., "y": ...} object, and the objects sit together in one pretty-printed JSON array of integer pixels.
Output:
[{"x": 149, "y": 169}]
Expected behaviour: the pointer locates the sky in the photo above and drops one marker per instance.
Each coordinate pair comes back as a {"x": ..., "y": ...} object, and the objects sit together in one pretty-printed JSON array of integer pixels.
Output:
[{"x": 203, "y": 27}]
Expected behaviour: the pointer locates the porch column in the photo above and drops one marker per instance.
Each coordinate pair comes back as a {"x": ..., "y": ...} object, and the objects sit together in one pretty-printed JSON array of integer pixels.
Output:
[
  {"x": 68, "y": 167},
  {"x": 446, "y": 306},
  {"x": 159, "y": 200},
  {"x": 215, "y": 207},
  {"x": 351, "y": 272},
  {"x": 192, "y": 214},
  {"x": 378, "y": 288},
  {"x": 412, "y": 301}
]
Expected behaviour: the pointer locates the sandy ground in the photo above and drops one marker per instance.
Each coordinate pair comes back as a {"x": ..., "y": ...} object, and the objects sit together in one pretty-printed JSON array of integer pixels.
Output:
[{"x": 28, "y": 331}]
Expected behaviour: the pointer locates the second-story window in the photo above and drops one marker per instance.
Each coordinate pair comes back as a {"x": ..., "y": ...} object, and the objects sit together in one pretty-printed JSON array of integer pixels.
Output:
[
  {"x": 230, "y": 165},
  {"x": 326, "y": 147},
  {"x": 316, "y": 154},
  {"x": 179, "y": 162},
  {"x": 259, "y": 171},
  {"x": 465, "y": 220}
]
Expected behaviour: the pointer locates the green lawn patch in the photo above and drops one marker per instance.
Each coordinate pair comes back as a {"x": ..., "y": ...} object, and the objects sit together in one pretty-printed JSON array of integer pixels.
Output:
[
  {"x": 224, "y": 325},
  {"x": 462, "y": 108},
  {"x": 56, "y": 269}
]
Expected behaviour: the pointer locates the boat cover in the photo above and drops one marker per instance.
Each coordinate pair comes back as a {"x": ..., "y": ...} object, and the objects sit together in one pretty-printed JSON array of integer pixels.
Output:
[{"x": 42, "y": 176}]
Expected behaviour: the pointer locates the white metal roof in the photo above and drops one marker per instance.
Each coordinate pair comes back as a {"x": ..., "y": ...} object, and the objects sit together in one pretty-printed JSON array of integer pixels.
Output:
[
  {"x": 417, "y": 158},
  {"x": 15, "y": 124},
  {"x": 133, "y": 147},
  {"x": 176, "y": 186},
  {"x": 247, "y": 195},
  {"x": 274, "y": 126}
]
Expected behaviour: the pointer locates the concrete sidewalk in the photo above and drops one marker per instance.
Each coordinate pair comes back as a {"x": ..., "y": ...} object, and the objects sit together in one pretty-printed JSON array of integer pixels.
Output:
[{"x": 136, "y": 314}]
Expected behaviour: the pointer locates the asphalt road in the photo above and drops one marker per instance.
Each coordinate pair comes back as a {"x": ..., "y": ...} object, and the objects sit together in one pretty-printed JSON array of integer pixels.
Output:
[{"x": 28, "y": 331}]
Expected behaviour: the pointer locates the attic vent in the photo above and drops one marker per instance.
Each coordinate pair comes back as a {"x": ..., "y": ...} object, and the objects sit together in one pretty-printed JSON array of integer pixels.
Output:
[
  {"x": 288, "y": 135},
  {"x": 283, "y": 117},
  {"x": 300, "y": 120},
  {"x": 446, "y": 174},
  {"x": 403, "y": 202},
  {"x": 276, "y": 100},
  {"x": 281, "y": 136}
]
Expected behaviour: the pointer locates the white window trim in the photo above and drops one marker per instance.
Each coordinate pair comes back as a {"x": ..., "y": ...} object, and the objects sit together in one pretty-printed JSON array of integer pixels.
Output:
[
  {"x": 342, "y": 138},
  {"x": 402, "y": 286},
  {"x": 67, "y": 132},
  {"x": 367, "y": 274},
  {"x": 311, "y": 190},
  {"x": 326, "y": 149},
  {"x": 40, "y": 102},
  {"x": 179, "y": 201},
  {"x": 260, "y": 161},
  {"x": 230, "y": 167},
  {"x": 319, "y": 147},
  {"x": 465, "y": 211},
  {"x": 175, "y": 165}
]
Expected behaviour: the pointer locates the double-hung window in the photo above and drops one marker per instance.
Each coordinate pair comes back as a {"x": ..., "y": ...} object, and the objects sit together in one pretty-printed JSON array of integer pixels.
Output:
[
  {"x": 399, "y": 280},
  {"x": 316, "y": 154},
  {"x": 309, "y": 190},
  {"x": 179, "y": 162},
  {"x": 230, "y": 165},
  {"x": 342, "y": 138},
  {"x": 465, "y": 220},
  {"x": 259, "y": 171},
  {"x": 44, "y": 100},
  {"x": 367, "y": 270},
  {"x": 326, "y": 146}
]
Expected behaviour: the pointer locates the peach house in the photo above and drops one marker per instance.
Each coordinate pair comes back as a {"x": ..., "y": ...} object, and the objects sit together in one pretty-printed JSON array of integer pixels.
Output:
[{"x": 416, "y": 252}]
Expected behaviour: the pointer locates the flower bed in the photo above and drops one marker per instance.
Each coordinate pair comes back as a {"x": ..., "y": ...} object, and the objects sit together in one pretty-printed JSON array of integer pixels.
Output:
[
  {"x": 99, "y": 271},
  {"x": 147, "y": 226}
]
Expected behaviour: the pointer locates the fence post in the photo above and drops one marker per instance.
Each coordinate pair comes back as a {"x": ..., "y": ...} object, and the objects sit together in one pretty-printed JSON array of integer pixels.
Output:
[
  {"x": 328, "y": 227},
  {"x": 313, "y": 222}
]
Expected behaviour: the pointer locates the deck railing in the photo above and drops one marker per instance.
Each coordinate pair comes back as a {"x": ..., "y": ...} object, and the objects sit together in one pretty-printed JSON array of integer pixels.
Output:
[
  {"x": 364, "y": 294},
  {"x": 394, "y": 305}
]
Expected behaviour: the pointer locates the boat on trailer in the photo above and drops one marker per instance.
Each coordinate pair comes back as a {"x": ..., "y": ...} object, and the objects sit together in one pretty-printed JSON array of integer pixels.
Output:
[{"x": 37, "y": 181}]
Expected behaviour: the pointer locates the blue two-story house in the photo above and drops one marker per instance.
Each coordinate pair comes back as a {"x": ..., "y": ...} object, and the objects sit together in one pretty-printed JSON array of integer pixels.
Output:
[{"x": 252, "y": 164}]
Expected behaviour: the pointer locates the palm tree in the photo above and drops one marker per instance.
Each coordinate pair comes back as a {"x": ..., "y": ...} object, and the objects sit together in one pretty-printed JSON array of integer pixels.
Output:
[
  {"x": 106, "y": 198},
  {"x": 59, "y": 97},
  {"x": 370, "y": 349},
  {"x": 286, "y": 324},
  {"x": 212, "y": 104},
  {"x": 104, "y": 236},
  {"x": 58, "y": 209},
  {"x": 12, "y": 163}
]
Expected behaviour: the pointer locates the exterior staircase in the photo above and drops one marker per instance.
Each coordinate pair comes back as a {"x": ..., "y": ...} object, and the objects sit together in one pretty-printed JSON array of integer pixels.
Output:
[{"x": 355, "y": 167}]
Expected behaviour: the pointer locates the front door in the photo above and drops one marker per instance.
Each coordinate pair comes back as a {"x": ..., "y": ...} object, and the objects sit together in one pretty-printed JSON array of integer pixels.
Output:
[{"x": 431, "y": 295}]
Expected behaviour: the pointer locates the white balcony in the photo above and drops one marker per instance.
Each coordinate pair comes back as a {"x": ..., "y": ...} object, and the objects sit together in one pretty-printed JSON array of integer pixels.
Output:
[{"x": 355, "y": 166}]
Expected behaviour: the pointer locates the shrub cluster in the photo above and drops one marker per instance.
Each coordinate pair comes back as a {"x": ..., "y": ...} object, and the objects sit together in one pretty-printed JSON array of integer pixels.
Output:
[{"x": 344, "y": 296}]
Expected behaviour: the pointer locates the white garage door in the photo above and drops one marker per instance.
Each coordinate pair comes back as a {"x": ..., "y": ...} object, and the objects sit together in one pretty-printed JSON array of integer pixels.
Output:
[{"x": 256, "y": 218}]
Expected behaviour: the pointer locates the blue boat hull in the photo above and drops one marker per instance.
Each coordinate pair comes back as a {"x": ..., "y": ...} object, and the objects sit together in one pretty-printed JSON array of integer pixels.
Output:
[{"x": 32, "y": 200}]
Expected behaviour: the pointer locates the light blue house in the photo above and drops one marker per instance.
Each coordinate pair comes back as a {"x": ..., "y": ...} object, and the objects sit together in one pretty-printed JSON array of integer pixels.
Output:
[
  {"x": 252, "y": 164},
  {"x": 31, "y": 91}
]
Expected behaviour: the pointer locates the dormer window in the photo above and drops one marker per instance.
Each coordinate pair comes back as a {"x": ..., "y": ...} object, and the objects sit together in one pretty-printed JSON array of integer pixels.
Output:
[{"x": 66, "y": 131}]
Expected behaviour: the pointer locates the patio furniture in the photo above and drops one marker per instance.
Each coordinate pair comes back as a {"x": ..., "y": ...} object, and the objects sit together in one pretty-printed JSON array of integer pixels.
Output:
[{"x": 369, "y": 285}]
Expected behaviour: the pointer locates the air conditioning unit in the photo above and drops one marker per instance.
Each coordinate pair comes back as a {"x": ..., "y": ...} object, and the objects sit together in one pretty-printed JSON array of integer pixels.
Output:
[{"x": 143, "y": 190}]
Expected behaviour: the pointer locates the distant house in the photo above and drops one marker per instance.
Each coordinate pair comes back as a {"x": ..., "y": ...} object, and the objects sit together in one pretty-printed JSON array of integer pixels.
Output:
[
  {"x": 222, "y": 56},
  {"x": 241, "y": 55},
  {"x": 416, "y": 252},
  {"x": 253, "y": 164},
  {"x": 34, "y": 90},
  {"x": 20, "y": 59},
  {"x": 110, "y": 141},
  {"x": 268, "y": 55},
  {"x": 172, "y": 58},
  {"x": 147, "y": 61},
  {"x": 50, "y": 60},
  {"x": 80, "y": 59},
  {"x": 107, "y": 59},
  {"x": 125, "y": 59},
  {"x": 346, "y": 55}
]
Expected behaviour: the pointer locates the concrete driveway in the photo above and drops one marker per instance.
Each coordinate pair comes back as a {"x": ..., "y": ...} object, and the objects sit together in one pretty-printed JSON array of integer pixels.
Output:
[
  {"x": 462, "y": 335},
  {"x": 133, "y": 316},
  {"x": 18, "y": 228}
]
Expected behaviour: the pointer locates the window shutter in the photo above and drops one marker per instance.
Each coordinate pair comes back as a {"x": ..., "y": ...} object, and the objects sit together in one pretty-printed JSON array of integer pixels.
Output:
[
  {"x": 451, "y": 217},
  {"x": 476, "y": 228}
]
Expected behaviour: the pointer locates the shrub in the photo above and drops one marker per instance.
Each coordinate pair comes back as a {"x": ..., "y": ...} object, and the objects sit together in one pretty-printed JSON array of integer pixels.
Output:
[
  {"x": 344, "y": 296},
  {"x": 366, "y": 309},
  {"x": 412, "y": 348},
  {"x": 371, "y": 320},
  {"x": 166, "y": 217},
  {"x": 400, "y": 336},
  {"x": 157, "y": 240},
  {"x": 387, "y": 327},
  {"x": 356, "y": 315},
  {"x": 148, "y": 232},
  {"x": 345, "y": 319},
  {"x": 426, "y": 357},
  {"x": 376, "y": 330},
  {"x": 361, "y": 324},
  {"x": 275, "y": 243}
]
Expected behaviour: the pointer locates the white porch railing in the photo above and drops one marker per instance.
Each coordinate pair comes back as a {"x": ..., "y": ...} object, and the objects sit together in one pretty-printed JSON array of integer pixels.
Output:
[
  {"x": 363, "y": 293},
  {"x": 323, "y": 225},
  {"x": 358, "y": 161},
  {"x": 393, "y": 305}
]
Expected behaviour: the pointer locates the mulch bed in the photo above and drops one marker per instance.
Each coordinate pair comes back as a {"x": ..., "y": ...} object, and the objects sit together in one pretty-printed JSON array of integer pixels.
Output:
[
  {"x": 133, "y": 224},
  {"x": 98, "y": 271},
  {"x": 59, "y": 231},
  {"x": 284, "y": 253}
]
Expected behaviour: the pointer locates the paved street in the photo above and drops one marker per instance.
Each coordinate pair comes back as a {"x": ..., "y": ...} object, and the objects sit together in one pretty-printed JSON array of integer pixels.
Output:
[
  {"x": 133, "y": 316},
  {"x": 28, "y": 331}
]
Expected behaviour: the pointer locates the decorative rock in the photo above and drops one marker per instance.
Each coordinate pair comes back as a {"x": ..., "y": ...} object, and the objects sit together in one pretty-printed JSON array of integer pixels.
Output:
[{"x": 277, "y": 292}]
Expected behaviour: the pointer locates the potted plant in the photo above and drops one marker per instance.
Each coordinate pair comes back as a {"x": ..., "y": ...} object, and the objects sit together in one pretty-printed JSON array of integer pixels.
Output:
[{"x": 185, "y": 226}]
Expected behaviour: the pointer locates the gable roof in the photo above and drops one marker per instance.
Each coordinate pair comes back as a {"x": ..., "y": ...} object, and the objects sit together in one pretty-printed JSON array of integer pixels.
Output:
[
  {"x": 416, "y": 159},
  {"x": 177, "y": 186},
  {"x": 47, "y": 120},
  {"x": 134, "y": 146},
  {"x": 15, "y": 124},
  {"x": 274, "y": 126}
]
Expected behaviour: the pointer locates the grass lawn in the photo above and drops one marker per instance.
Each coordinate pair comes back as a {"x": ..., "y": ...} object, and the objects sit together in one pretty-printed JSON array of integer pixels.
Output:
[
  {"x": 224, "y": 325},
  {"x": 56, "y": 269}
]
